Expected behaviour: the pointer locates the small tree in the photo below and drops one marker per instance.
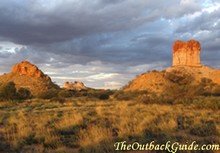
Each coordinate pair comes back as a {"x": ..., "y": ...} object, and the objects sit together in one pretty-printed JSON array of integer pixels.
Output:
[{"x": 8, "y": 91}]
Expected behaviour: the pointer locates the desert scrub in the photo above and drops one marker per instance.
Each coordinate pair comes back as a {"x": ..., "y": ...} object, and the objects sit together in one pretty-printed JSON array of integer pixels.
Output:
[
  {"x": 152, "y": 98},
  {"x": 96, "y": 139},
  {"x": 184, "y": 122},
  {"x": 16, "y": 129},
  {"x": 207, "y": 128},
  {"x": 8, "y": 91},
  {"x": 128, "y": 95},
  {"x": 65, "y": 94},
  {"x": 200, "y": 102},
  {"x": 85, "y": 125},
  {"x": 48, "y": 94},
  {"x": 24, "y": 93}
]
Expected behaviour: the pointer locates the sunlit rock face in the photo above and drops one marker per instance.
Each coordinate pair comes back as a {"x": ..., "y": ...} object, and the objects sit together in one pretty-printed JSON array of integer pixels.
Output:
[
  {"x": 186, "y": 65},
  {"x": 29, "y": 76},
  {"x": 28, "y": 69},
  {"x": 186, "y": 53}
]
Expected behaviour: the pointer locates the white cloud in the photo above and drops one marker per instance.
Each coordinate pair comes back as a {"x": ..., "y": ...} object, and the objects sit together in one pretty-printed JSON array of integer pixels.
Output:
[
  {"x": 211, "y": 7},
  {"x": 113, "y": 85},
  {"x": 7, "y": 46},
  {"x": 103, "y": 76}
]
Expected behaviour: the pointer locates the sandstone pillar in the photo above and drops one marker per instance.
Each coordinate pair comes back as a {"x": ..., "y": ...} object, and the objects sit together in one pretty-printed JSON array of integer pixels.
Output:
[{"x": 186, "y": 53}]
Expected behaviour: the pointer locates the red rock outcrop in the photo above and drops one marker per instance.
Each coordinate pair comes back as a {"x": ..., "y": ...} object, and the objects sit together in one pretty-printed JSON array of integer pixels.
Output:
[
  {"x": 186, "y": 62},
  {"x": 27, "y": 75},
  {"x": 186, "y": 53},
  {"x": 28, "y": 69},
  {"x": 77, "y": 85}
]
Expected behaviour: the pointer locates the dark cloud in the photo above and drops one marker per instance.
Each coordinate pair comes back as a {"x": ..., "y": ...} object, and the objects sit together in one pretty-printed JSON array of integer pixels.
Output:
[
  {"x": 204, "y": 27},
  {"x": 30, "y": 22},
  {"x": 204, "y": 22}
]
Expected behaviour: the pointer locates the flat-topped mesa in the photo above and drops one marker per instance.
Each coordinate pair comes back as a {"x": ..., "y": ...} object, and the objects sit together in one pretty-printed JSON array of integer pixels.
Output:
[
  {"x": 28, "y": 69},
  {"x": 186, "y": 53}
]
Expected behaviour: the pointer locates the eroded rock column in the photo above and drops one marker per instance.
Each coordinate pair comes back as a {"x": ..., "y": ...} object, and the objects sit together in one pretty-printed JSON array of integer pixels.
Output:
[{"x": 186, "y": 53}]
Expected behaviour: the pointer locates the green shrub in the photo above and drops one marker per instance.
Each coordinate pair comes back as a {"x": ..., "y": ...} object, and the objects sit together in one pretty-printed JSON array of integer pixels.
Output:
[
  {"x": 24, "y": 93},
  {"x": 8, "y": 91},
  {"x": 180, "y": 87},
  {"x": 200, "y": 102},
  {"x": 208, "y": 88},
  {"x": 206, "y": 81},
  {"x": 151, "y": 98},
  {"x": 30, "y": 139},
  {"x": 65, "y": 94},
  {"x": 179, "y": 78},
  {"x": 128, "y": 95},
  {"x": 94, "y": 93},
  {"x": 104, "y": 96},
  {"x": 122, "y": 96},
  {"x": 49, "y": 94},
  {"x": 184, "y": 122},
  {"x": 207, "y": 102},
  {"x": 216, "y": 91},
  {"x": 207, "y": 128},
  {"x": 79, "y": 93}
]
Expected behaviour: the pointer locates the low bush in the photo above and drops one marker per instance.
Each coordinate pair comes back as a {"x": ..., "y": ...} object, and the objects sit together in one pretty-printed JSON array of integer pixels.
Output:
[
  {"x": 104, "y": 96},
  {"x": 207, "y": 128},
  {"x": 184, "y": 122},
  {"x": 65, "y": 94},
  {"x": 58, "y": 99},
  {"x": 95, "y": 93},
  {"x": 8, "y": 91},
  {"x": 207, "y": 88},
  {"x": 128, "y": 95},
  {"x": 51, "y": 93},
  {"x": 206, "y": 81},
  {"x": 154, "y": 98},
  {"x": 24, "y": 93},
  {"x": 179, "y": 78},
  {"x": 207, "y": 102},
  {"x": 216, "y": 91}
]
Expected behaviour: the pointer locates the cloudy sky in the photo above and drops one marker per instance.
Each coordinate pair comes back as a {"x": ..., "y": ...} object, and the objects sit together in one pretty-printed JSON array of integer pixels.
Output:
[{"x": 104, "y": 43}]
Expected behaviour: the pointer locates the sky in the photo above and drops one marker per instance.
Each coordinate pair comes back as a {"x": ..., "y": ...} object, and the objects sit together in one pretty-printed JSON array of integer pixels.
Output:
[{"x": 104, "y": 43}]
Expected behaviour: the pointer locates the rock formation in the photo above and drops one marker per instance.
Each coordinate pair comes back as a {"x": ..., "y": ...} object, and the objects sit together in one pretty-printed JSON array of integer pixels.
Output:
[
  {"x": 77, "y": 85},
  {"x": 186, "y": 53},
  {"x": 27, "y": 75},
  {"x": 186, "y": 63},
  {"x": 27, "y": 69}
]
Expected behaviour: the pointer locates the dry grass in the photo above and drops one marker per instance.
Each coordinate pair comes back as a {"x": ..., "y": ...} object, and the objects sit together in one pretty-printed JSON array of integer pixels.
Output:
[{"x": 79, "y": 125}]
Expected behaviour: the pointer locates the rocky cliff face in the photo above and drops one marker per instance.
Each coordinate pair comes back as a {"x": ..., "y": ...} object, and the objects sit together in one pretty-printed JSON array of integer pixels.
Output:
[
  {"x": 186, "y": 53},
  {"x": 77, "y": 85}
]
